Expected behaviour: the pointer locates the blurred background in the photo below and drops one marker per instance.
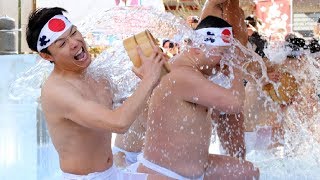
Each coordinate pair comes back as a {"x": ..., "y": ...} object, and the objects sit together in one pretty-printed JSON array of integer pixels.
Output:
[{"x": 291, "y": 15}]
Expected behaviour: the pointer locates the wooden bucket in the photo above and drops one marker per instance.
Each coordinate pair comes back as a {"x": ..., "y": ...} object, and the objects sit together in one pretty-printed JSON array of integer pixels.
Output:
[
  {"x": 287, "y": 89},
  {"x": 147, "y": 43}
]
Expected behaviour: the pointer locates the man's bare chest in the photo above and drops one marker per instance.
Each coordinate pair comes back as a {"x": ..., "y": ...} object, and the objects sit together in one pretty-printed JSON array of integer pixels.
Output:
[{"x": 96, "y": 92}]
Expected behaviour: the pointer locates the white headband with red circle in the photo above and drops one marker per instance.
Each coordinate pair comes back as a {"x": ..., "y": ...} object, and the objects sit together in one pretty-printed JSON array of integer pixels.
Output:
[
  {"x": 216, "y": 36},
  {"x": 52, "y": 30}
]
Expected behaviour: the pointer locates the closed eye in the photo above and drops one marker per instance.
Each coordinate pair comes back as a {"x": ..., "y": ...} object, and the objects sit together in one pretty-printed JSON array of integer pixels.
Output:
[
  {"x": 73, "y": 33},
  {"x": 62, "y": 44}
]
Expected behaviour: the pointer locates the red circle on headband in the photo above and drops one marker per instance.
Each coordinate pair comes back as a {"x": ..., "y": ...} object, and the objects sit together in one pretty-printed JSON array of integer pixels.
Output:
[
  {"x": 56, "y": 25},
  {"x": 226, "y": 35}
]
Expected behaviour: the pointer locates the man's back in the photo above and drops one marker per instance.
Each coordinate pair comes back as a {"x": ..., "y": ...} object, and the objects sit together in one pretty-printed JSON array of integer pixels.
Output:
[
  {"x": 81, "y": 149},
  {"x": 178, "y": 131}
]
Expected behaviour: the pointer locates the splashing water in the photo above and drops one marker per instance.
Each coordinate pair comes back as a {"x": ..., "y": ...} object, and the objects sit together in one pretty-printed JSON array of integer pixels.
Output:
[
  {"x": 301, "y": 151},
  {"x": 27, "y": 87},
  {"x": 123, "y": 22},
  {"x": 115, "y": 66},
  {"x": 299, "y": 156}
]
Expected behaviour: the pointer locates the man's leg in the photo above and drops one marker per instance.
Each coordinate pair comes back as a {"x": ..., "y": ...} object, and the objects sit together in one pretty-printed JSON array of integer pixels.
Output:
[
  {"x": 231, "y": 133},
  {"x": 224, "y": 167}
]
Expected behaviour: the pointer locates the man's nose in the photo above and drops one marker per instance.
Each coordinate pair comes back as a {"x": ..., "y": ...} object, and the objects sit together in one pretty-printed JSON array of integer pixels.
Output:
[{"x": 73, "y": 42}]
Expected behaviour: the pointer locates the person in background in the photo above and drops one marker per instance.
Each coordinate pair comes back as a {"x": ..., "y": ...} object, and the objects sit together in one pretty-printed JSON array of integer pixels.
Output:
[
  {"x": 257, "y": 41},
  {"x": 193, "y": 21},
  {"x": 314, "y": 44},
  {"x": 170, "y": 48},
  {"x": 262, "y": 118},
  {"x": 316, "y": 30}
]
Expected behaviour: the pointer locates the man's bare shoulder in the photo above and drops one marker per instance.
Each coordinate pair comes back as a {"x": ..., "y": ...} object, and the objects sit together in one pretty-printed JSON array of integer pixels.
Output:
[
  {"x": 180, "y": 79},
  {"x": 54, "y": 83},
  {"x": 55, "y": 92},
  {"x": 184, "y": 75}
]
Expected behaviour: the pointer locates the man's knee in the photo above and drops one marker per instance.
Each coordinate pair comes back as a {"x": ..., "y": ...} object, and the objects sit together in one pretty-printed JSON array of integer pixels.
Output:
[{"x": 251, "y": 171}]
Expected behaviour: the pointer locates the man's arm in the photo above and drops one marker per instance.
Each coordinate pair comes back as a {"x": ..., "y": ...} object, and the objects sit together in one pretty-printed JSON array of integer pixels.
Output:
[
  {"x": 69, "y": 102},
  {"x": 73, "y": 106},
  {"x": 199, "y": 90},
  {"x": 230, "y": 11},
  {"x": 212, "y": 8}
]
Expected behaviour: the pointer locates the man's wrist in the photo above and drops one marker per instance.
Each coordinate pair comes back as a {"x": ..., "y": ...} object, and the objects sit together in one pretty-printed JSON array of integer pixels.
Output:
[{"x": 147, "y": 82}]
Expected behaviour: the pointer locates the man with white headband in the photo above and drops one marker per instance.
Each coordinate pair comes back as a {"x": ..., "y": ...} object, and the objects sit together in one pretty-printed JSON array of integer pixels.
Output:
[
  {"x": 78, "y": 109},
  {"x": 179, "y": 125},
  {"x": 216, "y": 31},
  {"x": 230, "y": 127}
]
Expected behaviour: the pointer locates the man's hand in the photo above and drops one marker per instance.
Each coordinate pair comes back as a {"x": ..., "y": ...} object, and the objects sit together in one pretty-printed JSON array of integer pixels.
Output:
[
  {"x": 150, "y": 66},
  {"x": 274, "y": 76}
]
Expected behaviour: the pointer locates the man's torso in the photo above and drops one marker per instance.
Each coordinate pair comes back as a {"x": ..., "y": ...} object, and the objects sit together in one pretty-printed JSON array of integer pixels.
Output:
[
  {"x": 178, "y": 132},
  {"x": 81, "y": 150}
]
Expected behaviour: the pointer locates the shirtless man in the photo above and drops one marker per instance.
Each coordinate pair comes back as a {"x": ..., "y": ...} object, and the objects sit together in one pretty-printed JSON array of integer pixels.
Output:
[
  {"x": 230, "y": 127},
  {"x": 78, "y": 108},
  {"x": 179, "y": 125}
]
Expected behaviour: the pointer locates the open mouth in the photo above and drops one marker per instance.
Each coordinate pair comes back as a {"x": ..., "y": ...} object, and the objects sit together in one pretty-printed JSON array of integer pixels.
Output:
[{"x": 81, "y": 55}]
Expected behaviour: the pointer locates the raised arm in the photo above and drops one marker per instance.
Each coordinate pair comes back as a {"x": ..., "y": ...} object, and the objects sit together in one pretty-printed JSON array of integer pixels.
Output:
[
  {"x": 73, "y": 106},
  {"x": 230, "y": 11},
  {"x": 213, "y": 8}
]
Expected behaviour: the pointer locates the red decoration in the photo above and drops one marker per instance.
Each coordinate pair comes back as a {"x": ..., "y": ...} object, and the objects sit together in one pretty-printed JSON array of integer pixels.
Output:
[
  {"x": 56, "y": 25},
  {"x": 226, "y": 34}
]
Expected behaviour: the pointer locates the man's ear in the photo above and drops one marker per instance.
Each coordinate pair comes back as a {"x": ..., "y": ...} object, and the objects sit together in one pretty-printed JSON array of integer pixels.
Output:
[{"x": 46, "y": 56}]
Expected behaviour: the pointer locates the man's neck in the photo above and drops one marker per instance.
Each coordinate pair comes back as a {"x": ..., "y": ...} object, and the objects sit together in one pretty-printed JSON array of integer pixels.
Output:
[
  {"x": 74, "y": 74},
  {"x": 184, "y": 60}
]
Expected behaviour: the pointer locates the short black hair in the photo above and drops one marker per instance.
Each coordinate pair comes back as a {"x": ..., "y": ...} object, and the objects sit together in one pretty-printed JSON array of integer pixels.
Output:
[
  {"x": 252, "y": 20},
  {"x": 212, "y": 21},
  {"x": 37, "y": 19},
  {"x": 318, "y": 20},
  {"x": 165, "y": 41},
  {"x": 295, "y": 42},
  {"x": 314, "y": 46}
]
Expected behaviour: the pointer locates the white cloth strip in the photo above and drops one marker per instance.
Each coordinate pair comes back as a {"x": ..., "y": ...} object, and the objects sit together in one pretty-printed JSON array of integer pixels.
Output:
[
  {"x": 52, "y": 30},
  {"x": 216, "y": 36}
]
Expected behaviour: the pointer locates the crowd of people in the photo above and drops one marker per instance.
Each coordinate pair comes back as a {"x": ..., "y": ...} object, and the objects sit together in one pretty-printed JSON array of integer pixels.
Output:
[
  {"x": 164, "y": 127},
  {"x": 293, "y": 48}
]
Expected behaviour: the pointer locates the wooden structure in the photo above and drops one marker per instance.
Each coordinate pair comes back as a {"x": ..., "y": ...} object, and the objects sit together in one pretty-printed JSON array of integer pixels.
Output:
[
  {"x": 297, "y": 15},
  {"x": 184, "y": 8}
]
